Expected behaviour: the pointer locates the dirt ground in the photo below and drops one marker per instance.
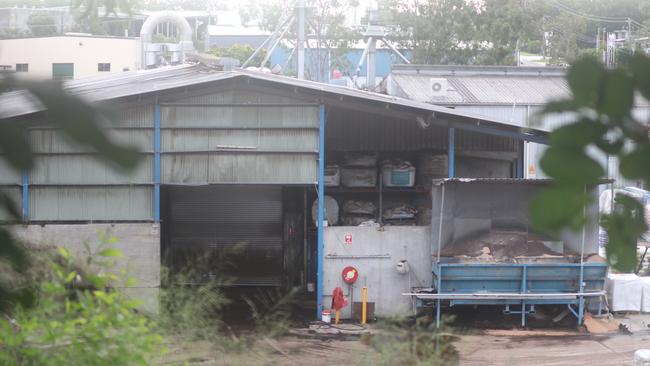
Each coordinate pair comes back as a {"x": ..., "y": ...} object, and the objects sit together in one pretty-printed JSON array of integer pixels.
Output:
[
  {"x": 485, "y": 347},
  {"x": 547, "y": 348}
]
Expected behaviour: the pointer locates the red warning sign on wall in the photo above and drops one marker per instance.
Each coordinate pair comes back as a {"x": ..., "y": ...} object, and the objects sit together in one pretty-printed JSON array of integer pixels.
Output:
[{"x": 348, "y": 238}]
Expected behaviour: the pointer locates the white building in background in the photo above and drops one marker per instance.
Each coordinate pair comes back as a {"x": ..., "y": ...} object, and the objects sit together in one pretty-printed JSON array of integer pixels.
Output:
[{"x": 69, "y": 56}]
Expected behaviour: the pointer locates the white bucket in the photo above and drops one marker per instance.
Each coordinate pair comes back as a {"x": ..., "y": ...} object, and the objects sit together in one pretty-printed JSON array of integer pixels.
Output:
[
  {"x": 326, "y": 317},
  {"x": 642, "y": 357}
]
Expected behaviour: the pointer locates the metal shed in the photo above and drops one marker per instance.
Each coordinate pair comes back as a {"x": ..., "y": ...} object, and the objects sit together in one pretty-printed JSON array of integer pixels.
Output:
[
  {"x": 509, "y": 93},
  {"x": 250, "y": 144}
]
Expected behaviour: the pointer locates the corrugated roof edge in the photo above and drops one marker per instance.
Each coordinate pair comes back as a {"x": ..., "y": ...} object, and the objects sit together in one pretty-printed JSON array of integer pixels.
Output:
[
  {"x": 467, "y": 70},
  {"x": 151, "y": 81}
]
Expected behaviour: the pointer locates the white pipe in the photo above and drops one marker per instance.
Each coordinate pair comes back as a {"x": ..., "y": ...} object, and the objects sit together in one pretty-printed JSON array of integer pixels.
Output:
[{"x": 442, "y": 205}]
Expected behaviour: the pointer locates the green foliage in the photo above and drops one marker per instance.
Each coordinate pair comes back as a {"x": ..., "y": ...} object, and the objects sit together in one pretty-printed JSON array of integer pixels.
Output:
[
  {"x": 79, "y": 320},
  {"x": 78, "y": 121},
  {"x": 240, "y": 52},
  {"x": 41, "y": 25},
  {"x": 192, "y": 298},
  {"x": 271, "y": 310},
  {"x": 400, "y": 342},
  {"x": 601, "y": 103}
]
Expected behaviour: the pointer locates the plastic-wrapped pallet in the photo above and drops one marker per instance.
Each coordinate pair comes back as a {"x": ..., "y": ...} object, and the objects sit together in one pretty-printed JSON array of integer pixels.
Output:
[
  {"x": 430, "y": 167},
  {"x": 356, "y": 207},
  {"x": 624, "y": 291},
  {"x": 357, "y": 220},
  {"x": 400, "y": 212},
  {"x": 359, "y": 177},
  {"x": 332, "y": 176},
  {"x": 360, "y": 159}
]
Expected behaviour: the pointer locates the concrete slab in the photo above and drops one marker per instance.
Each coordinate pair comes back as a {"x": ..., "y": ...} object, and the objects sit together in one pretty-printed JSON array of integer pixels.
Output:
[{"x": 139, "y": 242}]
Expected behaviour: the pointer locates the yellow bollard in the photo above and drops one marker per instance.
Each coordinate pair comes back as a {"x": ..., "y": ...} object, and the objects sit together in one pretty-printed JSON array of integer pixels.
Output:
[
  {"x": 363, "y": 304},
  {"x": 337, "y": 316}
]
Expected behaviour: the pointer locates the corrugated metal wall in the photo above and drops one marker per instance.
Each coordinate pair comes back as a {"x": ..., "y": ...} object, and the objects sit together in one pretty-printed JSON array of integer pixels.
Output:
[
  {"x": 10, "y": 181},
  {"x": 69, "y": 183},
  {"x": 239, "y": 137},
  {"x": 228, "y": 137}
]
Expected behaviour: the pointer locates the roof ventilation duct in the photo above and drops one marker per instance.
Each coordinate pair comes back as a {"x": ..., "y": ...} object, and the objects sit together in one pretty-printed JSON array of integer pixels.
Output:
[{"x": 152, "y": 53}]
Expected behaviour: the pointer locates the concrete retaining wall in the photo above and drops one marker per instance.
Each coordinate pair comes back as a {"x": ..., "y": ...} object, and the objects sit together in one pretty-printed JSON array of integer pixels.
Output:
[
  {"x": 140, "y": 244},
  {"x": 379, "y": 274}
]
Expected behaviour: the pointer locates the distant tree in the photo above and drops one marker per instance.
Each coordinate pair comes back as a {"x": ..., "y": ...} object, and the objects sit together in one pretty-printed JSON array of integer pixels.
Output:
[
  {"x": 436, "y": 31},
  {"x": 42, "y": 25},
  {"x": 505, "y": 25},
  {"x": 239, "y": 52},
  {"x": 9, "y": 33}
]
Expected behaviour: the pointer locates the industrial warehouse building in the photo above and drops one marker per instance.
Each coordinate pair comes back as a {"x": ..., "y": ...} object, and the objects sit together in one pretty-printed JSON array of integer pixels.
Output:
[{"x": 238, "y": 157}]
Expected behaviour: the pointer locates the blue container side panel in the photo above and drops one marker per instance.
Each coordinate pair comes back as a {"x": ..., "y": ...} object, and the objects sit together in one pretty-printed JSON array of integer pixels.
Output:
[{"x": 506, "y": 277}]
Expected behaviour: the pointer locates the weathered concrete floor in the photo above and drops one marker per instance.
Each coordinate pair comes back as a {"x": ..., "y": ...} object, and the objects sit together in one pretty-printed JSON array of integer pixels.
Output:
[{"x": 549, "y": 349}]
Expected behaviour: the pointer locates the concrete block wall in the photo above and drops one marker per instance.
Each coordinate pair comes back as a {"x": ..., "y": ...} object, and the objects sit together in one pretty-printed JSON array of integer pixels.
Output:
[
  {"x": 388, "y": 245},
  {"x": 140, "y": 244}
]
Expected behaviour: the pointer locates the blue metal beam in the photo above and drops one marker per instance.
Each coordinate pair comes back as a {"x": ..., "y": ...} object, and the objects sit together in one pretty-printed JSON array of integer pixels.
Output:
[
  {"x": 482, "y": 128},
  {"x": 321, "y": 210},
  {"x": 156, "y": 162},
  {"x": 451, "y": 153},
  {"x": 25, "y": 184}
]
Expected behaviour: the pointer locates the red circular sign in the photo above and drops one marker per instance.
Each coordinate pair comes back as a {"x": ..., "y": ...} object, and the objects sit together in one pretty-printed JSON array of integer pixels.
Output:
[{"x": 350, "y": 275}]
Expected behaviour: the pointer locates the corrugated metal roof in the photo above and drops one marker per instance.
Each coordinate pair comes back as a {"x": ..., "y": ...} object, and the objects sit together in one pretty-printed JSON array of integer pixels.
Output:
[
  {"x": 141, "y": 82},
  {"x": 483, "y": 85},
  {"x": 493, "y": 90}
]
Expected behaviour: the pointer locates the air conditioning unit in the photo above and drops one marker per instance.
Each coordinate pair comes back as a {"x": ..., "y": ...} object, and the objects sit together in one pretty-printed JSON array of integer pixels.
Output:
[{"x": 438, "y": 88}]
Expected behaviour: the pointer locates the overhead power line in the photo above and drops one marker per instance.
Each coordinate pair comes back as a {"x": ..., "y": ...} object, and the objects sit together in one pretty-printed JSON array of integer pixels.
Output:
[{"x": 593, "y": 17}]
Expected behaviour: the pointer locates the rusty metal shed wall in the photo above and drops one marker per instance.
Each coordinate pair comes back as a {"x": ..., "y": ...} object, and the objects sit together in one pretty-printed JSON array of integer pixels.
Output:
[
  {"x": 239, "y": 137},
  {"x": 179, "y": 140},
  {"x": 120, "y": 203},
  {"x": 51, "y": 141},
  {"x": 71, "y": 183},
  {"x": 15, "y": 195},
  {"x": 8, "y": 175},
  {"x": 234, "y": 168},
  {"x": 87, "y": 169}
]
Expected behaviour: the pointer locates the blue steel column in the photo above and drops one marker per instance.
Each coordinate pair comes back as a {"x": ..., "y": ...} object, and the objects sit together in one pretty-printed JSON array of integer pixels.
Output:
[
  {"x": 321, "y": 210},
  {"x": 523, "y": 291},
  {"x": 156, "y": 162},
  {"x": 25, "y": 185},
  {"x": 451, "y": 154}
]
